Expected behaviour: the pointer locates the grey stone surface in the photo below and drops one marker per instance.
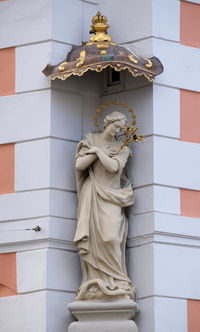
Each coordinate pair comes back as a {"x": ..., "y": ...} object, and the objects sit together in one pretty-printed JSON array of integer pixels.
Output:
[
  {"x": 100, "y": 316},
  {"x": 103, "y": 326}
]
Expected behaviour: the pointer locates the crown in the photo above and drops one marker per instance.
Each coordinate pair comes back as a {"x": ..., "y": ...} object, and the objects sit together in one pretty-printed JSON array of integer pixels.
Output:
[
  {"x": 99, "y": 27},
  {"x": 99, "y": 23}
]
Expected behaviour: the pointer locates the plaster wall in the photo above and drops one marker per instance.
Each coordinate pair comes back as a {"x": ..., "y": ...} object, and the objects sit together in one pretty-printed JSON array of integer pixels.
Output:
[
  {"x": 161, "y": 237},
  {"x": 44, "y": 120}
]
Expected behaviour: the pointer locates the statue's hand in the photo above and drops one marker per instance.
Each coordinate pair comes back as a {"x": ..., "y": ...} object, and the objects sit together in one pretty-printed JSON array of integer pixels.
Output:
[
  {"x": 111, "y": 152},
  {"x": 108, "y": 150},
  {"x": 92, "y": 150}
]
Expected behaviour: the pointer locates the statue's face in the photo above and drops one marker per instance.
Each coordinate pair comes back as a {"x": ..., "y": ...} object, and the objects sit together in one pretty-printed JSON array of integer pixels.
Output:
[{"x": 115, "y": 127}]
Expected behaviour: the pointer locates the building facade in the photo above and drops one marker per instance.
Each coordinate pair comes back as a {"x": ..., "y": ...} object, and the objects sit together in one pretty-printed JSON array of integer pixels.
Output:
[{"x": 41, "y": 122}]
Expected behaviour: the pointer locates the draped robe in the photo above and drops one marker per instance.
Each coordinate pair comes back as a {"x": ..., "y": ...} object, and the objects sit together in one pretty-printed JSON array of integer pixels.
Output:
[{"x": 102, "y": 225}]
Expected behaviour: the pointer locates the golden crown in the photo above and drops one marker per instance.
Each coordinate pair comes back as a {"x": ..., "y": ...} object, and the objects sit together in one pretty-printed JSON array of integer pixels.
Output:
[
  {"x": 99, "y": 28},
  {"x": 99, "y": 23}
]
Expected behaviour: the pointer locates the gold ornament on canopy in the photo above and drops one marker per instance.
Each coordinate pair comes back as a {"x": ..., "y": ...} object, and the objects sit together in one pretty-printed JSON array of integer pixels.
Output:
[
  {"x": 130, "y": 131},
  {"x": 101, "y": 52}
]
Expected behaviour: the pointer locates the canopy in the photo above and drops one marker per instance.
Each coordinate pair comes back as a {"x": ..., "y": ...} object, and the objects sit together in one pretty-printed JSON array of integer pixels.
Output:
[{"x": 101, "y": 52}]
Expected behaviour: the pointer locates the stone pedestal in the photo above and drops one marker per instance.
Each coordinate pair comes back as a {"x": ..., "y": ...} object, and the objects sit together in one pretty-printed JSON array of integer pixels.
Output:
[{"x": 100, "y": 316}]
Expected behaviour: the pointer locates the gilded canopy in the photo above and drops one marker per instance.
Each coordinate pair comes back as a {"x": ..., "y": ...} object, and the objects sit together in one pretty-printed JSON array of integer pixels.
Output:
[{"x": 101, "y": 52}]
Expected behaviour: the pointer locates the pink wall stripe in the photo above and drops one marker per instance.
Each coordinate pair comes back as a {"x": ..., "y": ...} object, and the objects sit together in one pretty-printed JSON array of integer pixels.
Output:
[
  {"x": 190, "y": 24},
  {"x": 190, "y": 203},
  {"x": 189, "y": 116},
  {"x": 193, "y": 311}
]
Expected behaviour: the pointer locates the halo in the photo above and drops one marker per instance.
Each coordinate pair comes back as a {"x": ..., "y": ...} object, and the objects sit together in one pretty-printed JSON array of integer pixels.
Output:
[{"x": 130, "y": 132}]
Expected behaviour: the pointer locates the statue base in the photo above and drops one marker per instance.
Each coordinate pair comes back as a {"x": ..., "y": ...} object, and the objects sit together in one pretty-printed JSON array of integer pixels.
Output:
[{"x": 101, "y": 316}]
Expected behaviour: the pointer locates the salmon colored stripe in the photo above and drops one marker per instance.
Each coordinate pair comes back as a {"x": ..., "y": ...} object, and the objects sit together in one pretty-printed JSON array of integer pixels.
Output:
[
  {"x": 189, "y": 116},
  {"x": 190, "y": 24},
  {"x": 8, "y": 274},
  {"x": 7, "y": 168},
  {"x": 193, "y": 312},
  {"x": 190, "y": 203},
  {"x": 7, "y": 71}
]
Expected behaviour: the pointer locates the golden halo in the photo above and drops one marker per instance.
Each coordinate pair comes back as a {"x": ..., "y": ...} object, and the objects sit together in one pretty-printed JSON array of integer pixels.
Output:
[{"x": 130, "y": 131}]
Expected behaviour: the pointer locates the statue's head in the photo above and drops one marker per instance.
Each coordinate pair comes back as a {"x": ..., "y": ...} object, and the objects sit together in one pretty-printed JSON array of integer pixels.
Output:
[
  {"x": 115, "y": 117},
  {"x": 114, "y": 122}
]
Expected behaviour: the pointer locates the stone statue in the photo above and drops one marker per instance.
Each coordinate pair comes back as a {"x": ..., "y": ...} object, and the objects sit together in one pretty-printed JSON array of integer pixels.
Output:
[{"x": 104, "y": 192}]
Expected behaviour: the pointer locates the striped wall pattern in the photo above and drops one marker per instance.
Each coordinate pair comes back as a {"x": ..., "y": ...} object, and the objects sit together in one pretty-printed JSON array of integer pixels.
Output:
[
  {"x": 165, "y": 228},
  {"x": 190, "y": 24},
  {"x": 8, "y": 277},
  {"x": 190, "y": 100},
  {"x": 8, "y": 273},
  {"x": 193, "y": 308},
  {"x": 190, "y": 132},
  {"x": 39, "y": 272},
  {"x": 40, "y": 125},
  {"x": 7, "y": 78}
]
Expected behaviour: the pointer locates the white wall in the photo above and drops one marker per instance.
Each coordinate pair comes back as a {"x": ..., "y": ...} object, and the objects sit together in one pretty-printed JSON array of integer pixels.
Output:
[{"x": 46, "y": 120}]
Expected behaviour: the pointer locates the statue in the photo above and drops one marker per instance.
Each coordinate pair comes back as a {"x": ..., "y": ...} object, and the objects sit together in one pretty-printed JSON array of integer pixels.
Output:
[{"x": 104, "y": 192}]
